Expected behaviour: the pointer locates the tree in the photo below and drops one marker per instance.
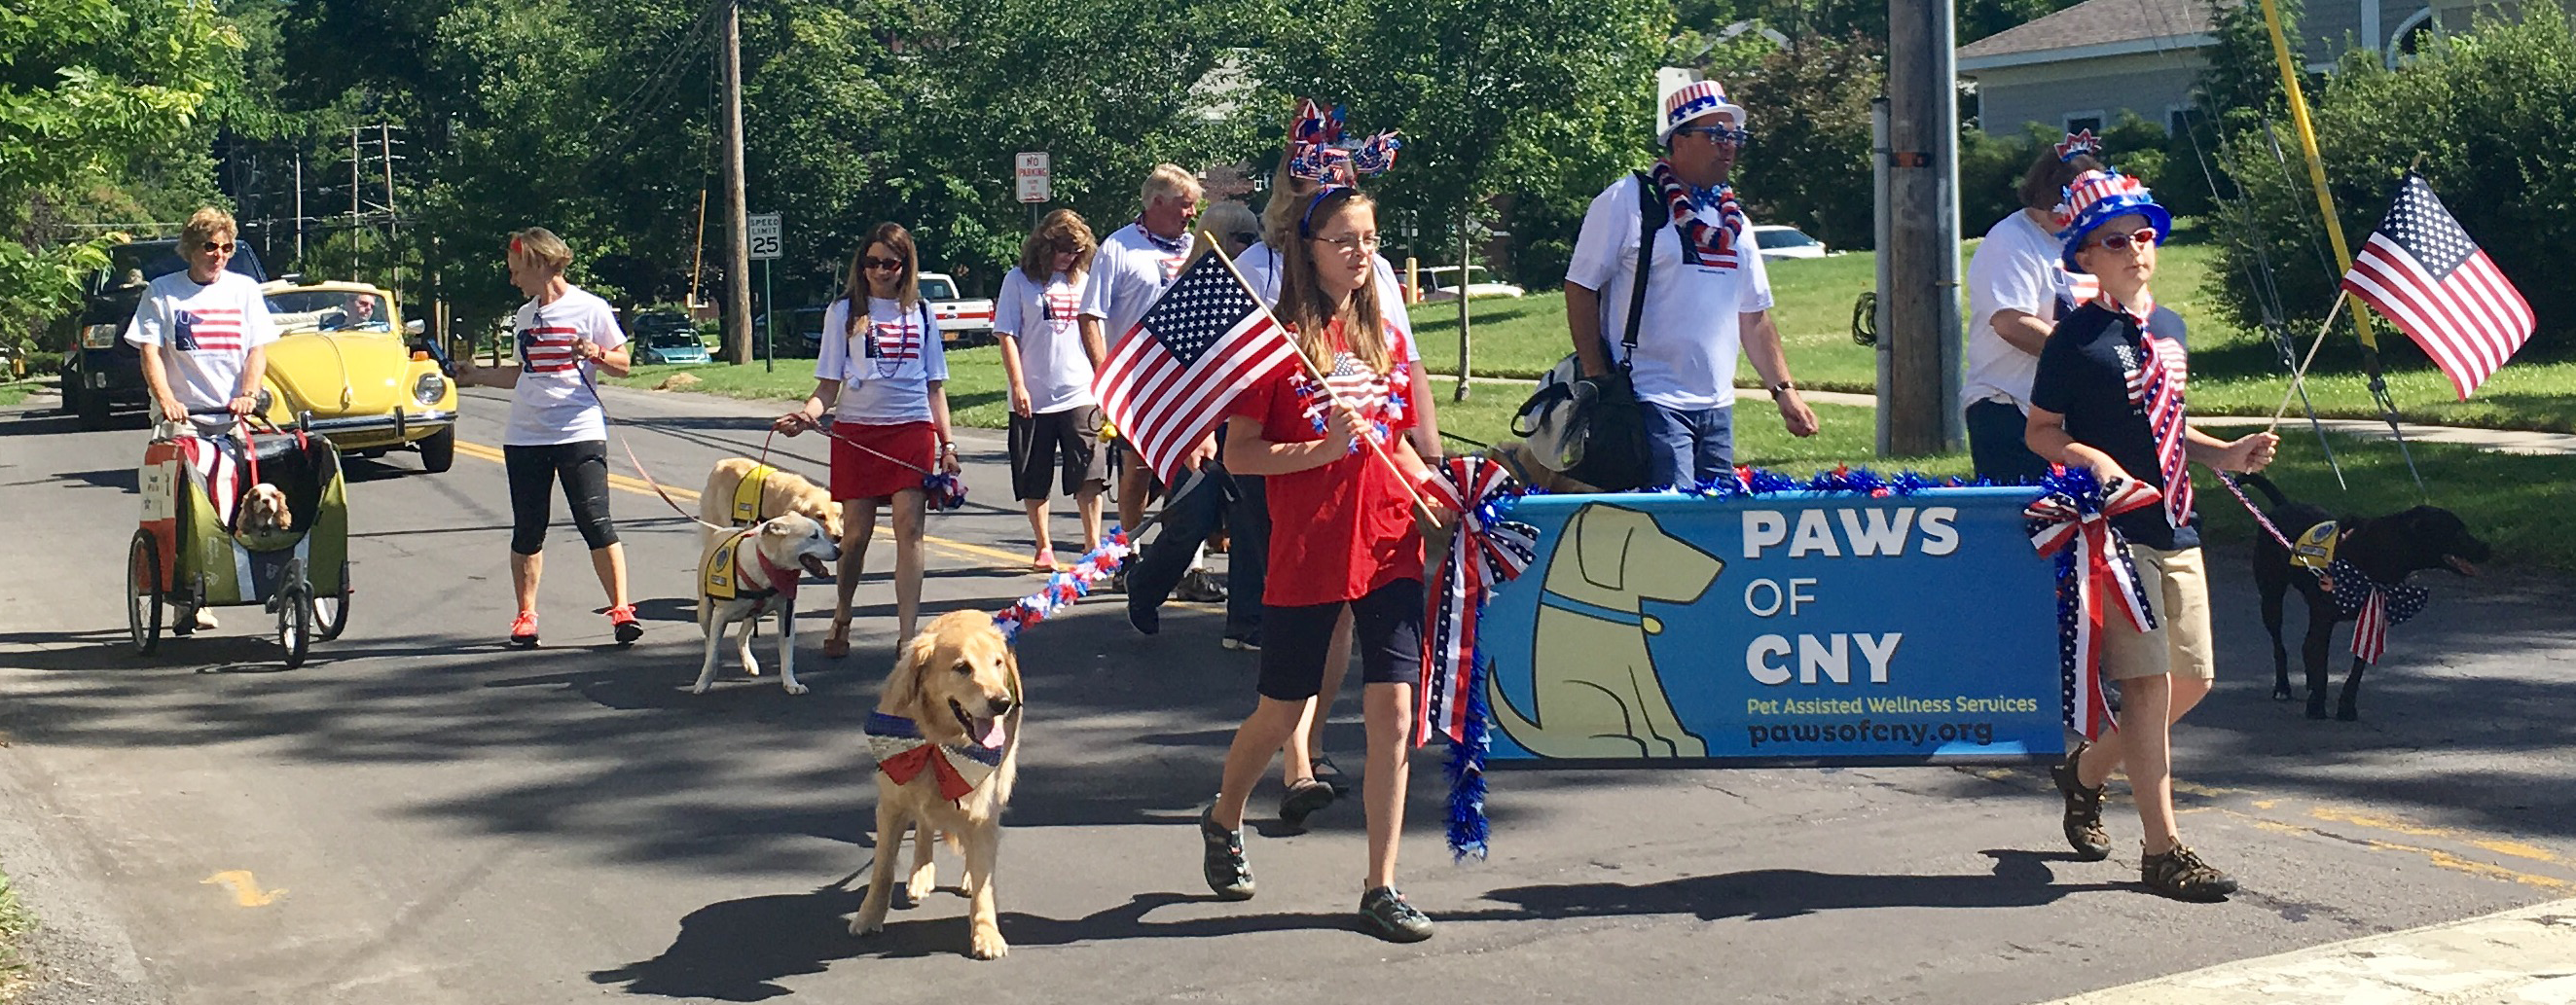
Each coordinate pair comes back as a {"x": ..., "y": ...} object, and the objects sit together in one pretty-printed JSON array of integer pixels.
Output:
[
  {"x": 1809, "y": 162},
  {"x": 1493, "y": 97},
  {"x": 86, "y": 87}
]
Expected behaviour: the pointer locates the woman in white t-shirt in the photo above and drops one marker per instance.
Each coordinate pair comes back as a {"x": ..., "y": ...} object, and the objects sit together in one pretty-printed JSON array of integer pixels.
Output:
[
  {"x": 1055, "y": 419},
  {"x": 558, "y": 432},
  {"x": 881, "y": 375},
  {"x": 2017, "y": 287}
]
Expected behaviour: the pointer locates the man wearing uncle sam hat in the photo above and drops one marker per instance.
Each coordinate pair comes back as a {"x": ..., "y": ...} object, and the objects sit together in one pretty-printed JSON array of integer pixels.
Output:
[
  {"x": 1706, "y": 296},
  {"x": 2109, "y": 397}
]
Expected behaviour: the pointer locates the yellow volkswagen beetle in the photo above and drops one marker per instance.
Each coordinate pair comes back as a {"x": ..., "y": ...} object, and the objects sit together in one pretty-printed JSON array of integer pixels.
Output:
[{"x": 343, "y": 366}]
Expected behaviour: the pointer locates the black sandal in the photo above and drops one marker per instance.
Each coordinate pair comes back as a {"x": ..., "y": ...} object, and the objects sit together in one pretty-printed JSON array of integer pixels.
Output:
[
  {"x": 1304, "y": 797},
  {"x": 1331, "y": 774}
]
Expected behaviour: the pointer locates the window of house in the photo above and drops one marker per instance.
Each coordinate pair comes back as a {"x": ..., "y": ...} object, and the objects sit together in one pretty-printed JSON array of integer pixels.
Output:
[
  {"x": 2077, "y": 122},
  {"x": 2411, "y": 36}
]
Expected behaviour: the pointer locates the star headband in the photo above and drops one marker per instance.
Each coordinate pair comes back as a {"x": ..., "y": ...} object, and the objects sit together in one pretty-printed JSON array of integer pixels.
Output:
[
  {"x": 1317, "y": 153},
  {"x": 2079, "y": 143}
]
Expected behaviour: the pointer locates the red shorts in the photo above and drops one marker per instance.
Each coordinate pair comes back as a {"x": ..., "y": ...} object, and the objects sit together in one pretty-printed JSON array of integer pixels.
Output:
[{"x": 858, "y": 474}]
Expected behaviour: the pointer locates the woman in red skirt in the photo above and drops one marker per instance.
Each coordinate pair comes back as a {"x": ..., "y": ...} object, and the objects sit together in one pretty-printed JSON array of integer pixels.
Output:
[{"x": 881, "y": 376}]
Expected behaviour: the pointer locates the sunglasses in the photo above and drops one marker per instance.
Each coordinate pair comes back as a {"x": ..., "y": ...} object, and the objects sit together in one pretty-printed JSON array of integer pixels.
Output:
[
  {"x": 873, "y": 263},
  {"x": 1720, "y": 134},
  {"x": 2142, "y": 237},
  {"x": 223, "y": 246}
]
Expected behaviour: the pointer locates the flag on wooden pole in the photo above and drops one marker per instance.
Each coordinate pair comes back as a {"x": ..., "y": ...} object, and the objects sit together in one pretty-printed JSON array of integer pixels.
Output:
[
  {"x": 1201, "y": 345},
  {"x": 2424, "y": 272}
]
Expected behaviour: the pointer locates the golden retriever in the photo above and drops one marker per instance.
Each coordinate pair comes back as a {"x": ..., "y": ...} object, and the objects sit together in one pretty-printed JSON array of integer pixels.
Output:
[
  {"x": 956, "y": 689},
  {"x": 781, "y": 493},
  {"x": 1523, "y": 463},
  {"x": 264, "y": 510}
]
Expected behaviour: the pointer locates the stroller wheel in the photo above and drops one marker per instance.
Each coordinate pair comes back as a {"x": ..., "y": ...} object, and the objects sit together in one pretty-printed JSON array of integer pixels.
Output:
[
  {"x": 295, "y": 623},
  {"x": 143, "y": 593}
]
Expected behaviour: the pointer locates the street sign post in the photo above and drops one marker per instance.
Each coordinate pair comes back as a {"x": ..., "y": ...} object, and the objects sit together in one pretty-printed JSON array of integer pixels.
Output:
[
  {"x": 1035, "y": 175},
  {"x": 764, "y": 230}
]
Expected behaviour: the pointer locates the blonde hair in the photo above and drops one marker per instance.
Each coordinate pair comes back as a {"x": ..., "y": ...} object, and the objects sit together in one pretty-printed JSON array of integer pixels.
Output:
[
  {"x": 539, "y": 245},
  {"x": 1304, "y": 306},
  {"x": 855, "y": 286},
  {"x": 203, "y": 225},
  {"x": 1062, "y": 230},
  {"x": 1170, "y": 181}
]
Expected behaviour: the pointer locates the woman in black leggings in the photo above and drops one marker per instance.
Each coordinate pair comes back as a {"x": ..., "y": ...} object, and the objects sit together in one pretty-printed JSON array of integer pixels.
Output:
[{"x": 558, "y": 432}]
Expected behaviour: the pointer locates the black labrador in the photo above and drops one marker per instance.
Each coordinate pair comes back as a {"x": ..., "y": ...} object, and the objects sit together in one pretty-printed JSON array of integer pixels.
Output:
[{"x": 2386, "y": 548}]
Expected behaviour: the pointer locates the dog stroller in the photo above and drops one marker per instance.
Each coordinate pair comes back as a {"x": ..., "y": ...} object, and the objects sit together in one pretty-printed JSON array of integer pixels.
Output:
[{"x": 192, "y": 550}]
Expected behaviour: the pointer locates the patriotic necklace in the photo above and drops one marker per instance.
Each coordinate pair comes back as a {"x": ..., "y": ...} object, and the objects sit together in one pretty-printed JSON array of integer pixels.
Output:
[
  {"x": 1172, "y": 245},
  {"x": 876, "y": 348},
  {"x": 1686, "y": 201}
]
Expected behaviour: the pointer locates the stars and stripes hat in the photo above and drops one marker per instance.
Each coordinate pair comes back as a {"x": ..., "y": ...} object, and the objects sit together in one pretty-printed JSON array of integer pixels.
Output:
[
  {"x": 2098, "y": 196},
  {"x": 1692, "y": 100}
]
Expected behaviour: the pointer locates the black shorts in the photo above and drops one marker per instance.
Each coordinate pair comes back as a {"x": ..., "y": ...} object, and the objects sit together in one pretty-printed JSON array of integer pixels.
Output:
[
  {"x": 1048, "y": 442},
  {"x": 1294, "y": 640}
]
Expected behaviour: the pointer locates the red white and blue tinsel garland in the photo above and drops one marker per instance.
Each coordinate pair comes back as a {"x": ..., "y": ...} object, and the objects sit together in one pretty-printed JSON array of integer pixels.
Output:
[
  {"x": 1064, "y": 586},
  {"x": 2071, "y": 520},
  {"x": 1489, "y": 551},
  {"x": 946, "y": 491}
]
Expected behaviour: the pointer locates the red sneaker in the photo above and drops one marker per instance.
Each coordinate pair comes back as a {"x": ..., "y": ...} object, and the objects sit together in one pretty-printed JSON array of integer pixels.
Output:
[
  {"x": 628, "y": 629},
  {"x": 523, "y": 632}
]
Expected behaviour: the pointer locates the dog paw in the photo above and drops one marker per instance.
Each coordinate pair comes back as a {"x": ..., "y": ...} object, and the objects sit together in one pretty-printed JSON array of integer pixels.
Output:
[
  {"x": 868, "y": 923},
  {"x": 923, "y": 884},
  {"x": 795, "y": 688},
  {"x": 700, "y": 688},
  {"x": 2316, "y": 711},
  {"x": 2282, "y": 693},
  {"x": 987, "y": 944},
  {"x": 2348, "y": 714}
]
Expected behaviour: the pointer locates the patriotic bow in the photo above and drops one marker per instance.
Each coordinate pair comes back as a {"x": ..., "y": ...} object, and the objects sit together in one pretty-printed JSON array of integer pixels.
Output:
[
  {"x": 1488, "y": 551},
  {"x": 945, "y": 490},
  {"x": 2071, "y": 520},
  {"x": 903, "y": 754},
  {"x": 2373, "y": 606},
  {"x": 1316, "y": 151}
]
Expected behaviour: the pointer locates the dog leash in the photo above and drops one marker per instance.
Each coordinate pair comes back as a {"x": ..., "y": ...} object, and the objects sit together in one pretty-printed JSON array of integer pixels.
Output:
[
  {"x": 638, "y": 462},
  {"x": 2264, "y": 521}
]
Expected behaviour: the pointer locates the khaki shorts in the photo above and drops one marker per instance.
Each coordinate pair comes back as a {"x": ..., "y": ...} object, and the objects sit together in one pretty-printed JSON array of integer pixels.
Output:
[{"x": 2177, "y": 585}]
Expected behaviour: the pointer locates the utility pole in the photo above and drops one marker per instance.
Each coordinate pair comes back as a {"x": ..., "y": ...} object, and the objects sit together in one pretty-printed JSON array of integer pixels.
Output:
[
  {"x": 393, "y": 224},
  {"x": 737, "y": 321},
  {"x": 354, "y": 214},
  {"x": 299, "y": 204},
  {"x": 1920, "y": 413}
]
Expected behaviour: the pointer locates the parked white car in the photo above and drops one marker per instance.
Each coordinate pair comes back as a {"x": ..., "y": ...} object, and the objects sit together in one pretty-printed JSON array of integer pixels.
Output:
[
  {"x": 1777, "y": 242},
  {"x": 962, "y": 321},
  {"x": 1440, "y": 282}
]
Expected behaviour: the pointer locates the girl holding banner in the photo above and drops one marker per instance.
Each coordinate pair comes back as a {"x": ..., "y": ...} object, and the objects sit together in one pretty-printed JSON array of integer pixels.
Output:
[{"x": 1345, "y": 540}]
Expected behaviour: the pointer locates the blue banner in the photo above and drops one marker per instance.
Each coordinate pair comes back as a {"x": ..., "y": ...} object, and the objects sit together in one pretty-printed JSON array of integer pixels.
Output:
[{"x": 1796, "y": 628}]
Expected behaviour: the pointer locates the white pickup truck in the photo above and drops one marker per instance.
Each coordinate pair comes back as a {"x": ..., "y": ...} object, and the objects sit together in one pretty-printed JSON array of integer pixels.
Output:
[{"x": 962, "y": 321}]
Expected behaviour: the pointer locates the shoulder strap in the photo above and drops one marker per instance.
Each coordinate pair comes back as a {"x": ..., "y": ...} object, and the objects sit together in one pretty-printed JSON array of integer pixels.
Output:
[{"x": 1649, "y": 220}]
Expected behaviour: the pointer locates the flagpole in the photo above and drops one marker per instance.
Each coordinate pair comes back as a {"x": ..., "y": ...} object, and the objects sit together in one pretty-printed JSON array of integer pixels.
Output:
[
  {"x": 2316, "y": 164},
  {"x": 1401, "y": 478}
]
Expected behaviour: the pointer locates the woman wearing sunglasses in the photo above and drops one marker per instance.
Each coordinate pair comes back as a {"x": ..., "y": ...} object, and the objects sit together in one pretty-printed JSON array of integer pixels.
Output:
[{"x": 881, "y": 376}]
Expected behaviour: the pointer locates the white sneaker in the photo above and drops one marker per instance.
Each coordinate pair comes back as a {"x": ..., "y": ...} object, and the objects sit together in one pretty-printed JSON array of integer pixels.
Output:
[{"x": 205, "y": 617}]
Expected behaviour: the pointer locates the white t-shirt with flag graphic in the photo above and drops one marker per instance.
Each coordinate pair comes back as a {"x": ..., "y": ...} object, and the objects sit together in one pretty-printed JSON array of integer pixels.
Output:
[
  {"x": 553, "y": 402},
  {"x": 1043, "y": 320},
  {"x": 2021, "y": 266},
  {"x": 885, "y": 368},
  {"x": 1692, "y": 332},
  {"x": 1127, "y": 274},
  {"x": 210, "y": 328}
]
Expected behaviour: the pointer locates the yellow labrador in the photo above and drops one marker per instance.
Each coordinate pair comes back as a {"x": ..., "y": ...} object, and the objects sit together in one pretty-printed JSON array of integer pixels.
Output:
[
  {"x": 946, "y": 735},
  {"x": 725, "y": 503}
]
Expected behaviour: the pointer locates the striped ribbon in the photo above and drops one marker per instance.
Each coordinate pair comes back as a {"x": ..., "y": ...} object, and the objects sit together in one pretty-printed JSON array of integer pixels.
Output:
[
  {"x": 2071, "y": 521},
  {"x": 2163, "y": 364},
  {"x": 2372, "y": 605},
  {"x": 1488, "y": 552}
]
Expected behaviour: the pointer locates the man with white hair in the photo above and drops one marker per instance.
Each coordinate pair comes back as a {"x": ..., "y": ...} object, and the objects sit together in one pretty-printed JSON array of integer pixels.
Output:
[{"x": 1705, "y": 296}]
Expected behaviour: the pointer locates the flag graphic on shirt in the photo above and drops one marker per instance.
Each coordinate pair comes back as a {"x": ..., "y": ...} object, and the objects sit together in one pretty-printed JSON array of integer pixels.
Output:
[
  {"x": 1351, "y": 382},
  {"x": 893, "y": 342},
  {"x": 548, "y": 348},
  {"x": 212, "y": 330},
  {"x": 2424, "y": 272},
  {"x": 1203, "y": 343}
]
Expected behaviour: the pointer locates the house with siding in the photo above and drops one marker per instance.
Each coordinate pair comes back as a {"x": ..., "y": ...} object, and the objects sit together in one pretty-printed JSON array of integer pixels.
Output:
[{"x": 2083, "y": 66}]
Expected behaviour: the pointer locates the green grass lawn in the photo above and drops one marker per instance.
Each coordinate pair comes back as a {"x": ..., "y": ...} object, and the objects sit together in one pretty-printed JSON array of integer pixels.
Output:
[
  {"x": 15, "y": 923},
  {"x": 16, "y": 392}
]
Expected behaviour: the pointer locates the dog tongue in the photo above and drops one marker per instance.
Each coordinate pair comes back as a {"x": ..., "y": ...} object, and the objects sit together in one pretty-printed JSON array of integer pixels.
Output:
[
  {"x": 990, "y": 738},
  {"x": 2460, "y": 565}
]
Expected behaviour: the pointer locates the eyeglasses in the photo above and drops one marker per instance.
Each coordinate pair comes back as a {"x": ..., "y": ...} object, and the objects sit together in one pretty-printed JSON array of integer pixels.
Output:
[
  {"x": 223, "y": 246},
  {"x": 2142, "y": 237},
  {"x": 873, "y": 263},
  {"x": 1357, "y": 242},
  {"x": 1719, "y": 134}
]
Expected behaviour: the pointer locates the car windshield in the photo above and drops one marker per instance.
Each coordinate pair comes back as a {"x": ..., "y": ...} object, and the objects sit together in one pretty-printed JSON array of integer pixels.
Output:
[
  {"x": 1782, "y": 239},
  {"x": 671, "y": 339},
  {"x": 937, "y": 289},
  {"x": 330, "y": 310}
]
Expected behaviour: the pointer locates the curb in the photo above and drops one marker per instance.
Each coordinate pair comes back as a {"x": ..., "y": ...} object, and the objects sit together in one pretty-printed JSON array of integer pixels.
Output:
[{"x": 2523, "y": 955}]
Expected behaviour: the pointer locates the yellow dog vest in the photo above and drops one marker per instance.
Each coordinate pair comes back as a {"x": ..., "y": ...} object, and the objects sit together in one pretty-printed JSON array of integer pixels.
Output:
[
  {"x": 718, "y": 580},
  {"x": 2315, "y": 548},
  {"x": 746, "y": 495}
]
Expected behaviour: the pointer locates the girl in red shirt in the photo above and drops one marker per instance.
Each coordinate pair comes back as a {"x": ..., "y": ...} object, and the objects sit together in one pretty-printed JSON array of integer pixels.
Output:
[{"x": 1342, "y": 537}]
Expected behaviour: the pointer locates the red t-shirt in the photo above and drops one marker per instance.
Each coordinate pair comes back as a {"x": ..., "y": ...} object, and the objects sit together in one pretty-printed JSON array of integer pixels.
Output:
[{"x": 1339, "y": 530}]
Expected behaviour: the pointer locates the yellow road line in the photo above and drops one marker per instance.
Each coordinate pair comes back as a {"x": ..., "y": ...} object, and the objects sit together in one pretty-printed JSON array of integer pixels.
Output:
[
  {"x": 639, "y": 486},
  {"x": 2444, "y": 859}
]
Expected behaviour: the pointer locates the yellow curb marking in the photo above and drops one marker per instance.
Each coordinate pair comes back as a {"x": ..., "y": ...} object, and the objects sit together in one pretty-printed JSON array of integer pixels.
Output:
[
  {"x": 2516, "y": 849},
  {"x": 246, "y": 891},
  {"x": 641, "y": 487},
  {"x": 2436, "y": 856}
]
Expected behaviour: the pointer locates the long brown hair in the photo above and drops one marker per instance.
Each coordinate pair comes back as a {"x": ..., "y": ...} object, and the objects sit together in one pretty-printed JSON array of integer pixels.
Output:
[
  {"x": 907, "y": 283},
  {"x": 1062, "y": 230},
  {"x": 1303, "y": 304},
  {"x": 2044, "y": 185}
]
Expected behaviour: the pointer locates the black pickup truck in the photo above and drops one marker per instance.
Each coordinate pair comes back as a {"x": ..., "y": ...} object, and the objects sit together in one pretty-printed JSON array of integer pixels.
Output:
[{"x": 103, "y": 375}]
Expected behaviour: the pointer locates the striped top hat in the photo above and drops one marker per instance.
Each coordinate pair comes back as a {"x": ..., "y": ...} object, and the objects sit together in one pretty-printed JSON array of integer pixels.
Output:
[
  {"x": 2098, "y": 196},
  {"x": 1692, "y": 100}
]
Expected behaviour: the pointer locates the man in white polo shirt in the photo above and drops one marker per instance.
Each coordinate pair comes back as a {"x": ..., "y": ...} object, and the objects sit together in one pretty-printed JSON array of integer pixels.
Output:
[{"x": 1707, "y": 297}]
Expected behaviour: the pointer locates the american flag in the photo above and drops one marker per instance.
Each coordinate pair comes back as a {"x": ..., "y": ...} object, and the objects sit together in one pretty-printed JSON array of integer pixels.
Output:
[
  {"x": 2424, "y": 272},
  {"x": 548, "y": 348},
  {"x": 208, "y": 330},
  {"x": 1205, "y": 341},
  {"x": 897, "y": 341}
]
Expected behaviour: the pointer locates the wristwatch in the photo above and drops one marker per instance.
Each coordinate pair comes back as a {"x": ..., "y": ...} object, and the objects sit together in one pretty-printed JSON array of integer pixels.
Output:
[{"x": 1782, "y": 387}]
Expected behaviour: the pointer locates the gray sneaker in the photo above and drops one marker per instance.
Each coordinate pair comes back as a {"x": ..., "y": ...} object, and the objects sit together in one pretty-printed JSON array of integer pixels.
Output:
[
  {"x": 1223, "y": 865},
  {"x": 1383, "y": 913},
  {"x": 1198, "y": 586}
]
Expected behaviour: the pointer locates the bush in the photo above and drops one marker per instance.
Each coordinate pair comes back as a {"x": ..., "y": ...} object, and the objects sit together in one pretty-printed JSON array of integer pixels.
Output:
[
  {"x": 2492, "y": 114},
  {"x": 1991, "y": 168}
]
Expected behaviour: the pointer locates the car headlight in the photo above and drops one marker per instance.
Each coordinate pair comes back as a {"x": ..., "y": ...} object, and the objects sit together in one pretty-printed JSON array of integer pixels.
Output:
[
  {"x": 99, "y": 336},
  {"x": 429, "y": 388}
]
